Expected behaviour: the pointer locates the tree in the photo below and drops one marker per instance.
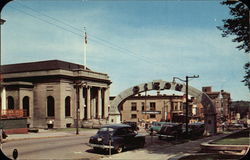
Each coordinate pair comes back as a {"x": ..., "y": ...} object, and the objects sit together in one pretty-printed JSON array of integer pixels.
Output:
[{"x": 238, "y": 25}]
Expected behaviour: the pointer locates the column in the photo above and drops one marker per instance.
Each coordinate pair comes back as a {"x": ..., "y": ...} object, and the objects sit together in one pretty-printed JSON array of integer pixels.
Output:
[
  {"x": 3, "y": 98},
  {"x": 99, "y": 103},
  {"x": 81, "y": 101},
  {"x": 106, "y": 102},
  {"x": 88, "y": 103}
]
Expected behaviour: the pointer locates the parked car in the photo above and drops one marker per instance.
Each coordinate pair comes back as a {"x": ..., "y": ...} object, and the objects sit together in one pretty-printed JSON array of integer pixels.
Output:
[
  {"x": 156, "y": 127},
  {"x": 235, "y": 126},
  {"x": 194, "y": 129},
  {"x": 132, "y": 124},
  {"x": 170, "y": 130},
  {"x": 116, "y": 137}
]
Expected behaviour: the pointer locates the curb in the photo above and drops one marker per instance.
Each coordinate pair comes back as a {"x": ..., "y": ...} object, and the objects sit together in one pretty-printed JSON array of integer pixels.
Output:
[{"x": 42, "y": 137}]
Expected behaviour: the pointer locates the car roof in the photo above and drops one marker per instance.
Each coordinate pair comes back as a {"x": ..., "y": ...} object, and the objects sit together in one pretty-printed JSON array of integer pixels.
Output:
[{"x": 115, "y": 126}]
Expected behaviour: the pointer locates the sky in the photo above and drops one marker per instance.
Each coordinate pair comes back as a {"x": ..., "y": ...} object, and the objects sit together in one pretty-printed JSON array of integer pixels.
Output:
[{"x": 133, "y": 42}]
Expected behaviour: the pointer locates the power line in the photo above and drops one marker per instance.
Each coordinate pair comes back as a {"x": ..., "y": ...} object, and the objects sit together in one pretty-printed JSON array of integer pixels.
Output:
[
  {"x": 111, "y": 45},
  {"x": 95, "y": 39}
]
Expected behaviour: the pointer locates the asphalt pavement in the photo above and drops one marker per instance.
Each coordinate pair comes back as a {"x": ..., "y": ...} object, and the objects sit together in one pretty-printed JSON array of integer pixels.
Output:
[{"x": 154, "y": 149}]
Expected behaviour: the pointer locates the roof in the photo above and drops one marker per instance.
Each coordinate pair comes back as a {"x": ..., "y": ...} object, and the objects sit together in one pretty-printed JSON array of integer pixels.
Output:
[{"x": 41, "y": 66}]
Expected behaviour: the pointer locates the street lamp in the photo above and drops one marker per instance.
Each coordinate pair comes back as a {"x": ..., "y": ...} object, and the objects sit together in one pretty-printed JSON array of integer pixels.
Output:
[
  {"x": 77, "y": 85},
  {"x": 186, "y": 81}
]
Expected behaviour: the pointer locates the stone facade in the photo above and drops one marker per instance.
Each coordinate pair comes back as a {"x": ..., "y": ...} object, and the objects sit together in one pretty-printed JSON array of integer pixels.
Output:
[
  {"x": 222, "y": 102},
  {"x": 51, "y": 91}
]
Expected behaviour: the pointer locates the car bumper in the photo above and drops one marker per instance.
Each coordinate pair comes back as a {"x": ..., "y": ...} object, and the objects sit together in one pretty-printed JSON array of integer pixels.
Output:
[
  {"x": 163, "y": 135},
  {"x": 101, "y": 146}
]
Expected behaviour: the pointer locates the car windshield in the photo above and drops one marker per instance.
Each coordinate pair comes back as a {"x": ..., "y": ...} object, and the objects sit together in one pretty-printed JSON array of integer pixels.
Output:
[{"x": 105, "y": 130}]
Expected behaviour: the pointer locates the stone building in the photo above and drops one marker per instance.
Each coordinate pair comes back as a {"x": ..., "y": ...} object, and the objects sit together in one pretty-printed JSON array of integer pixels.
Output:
[
  {"x": 51, "y": 91},
  {"x": 222, "y": 102},
  {"x": 157, "y": 108}
]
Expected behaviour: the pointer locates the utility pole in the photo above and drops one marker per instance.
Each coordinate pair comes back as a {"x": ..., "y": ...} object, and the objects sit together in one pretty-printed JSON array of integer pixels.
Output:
[
  {"x": 77, "y": 109},
  {"x": 78, "y": 84},
  {"x": 186, "y": 81}
]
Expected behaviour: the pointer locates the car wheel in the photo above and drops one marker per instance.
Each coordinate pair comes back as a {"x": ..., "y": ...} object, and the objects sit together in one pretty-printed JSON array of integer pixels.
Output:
[{"x": 119, "y": 149}]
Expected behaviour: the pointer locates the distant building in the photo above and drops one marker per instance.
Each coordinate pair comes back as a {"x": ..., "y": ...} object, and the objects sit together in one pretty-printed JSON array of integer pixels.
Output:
[
  {"x": 158, "y": 108},
  {"x": 47, "y": 92},
  {"x": 222, "y": 102},
  {"x": 240, "y": 110}
]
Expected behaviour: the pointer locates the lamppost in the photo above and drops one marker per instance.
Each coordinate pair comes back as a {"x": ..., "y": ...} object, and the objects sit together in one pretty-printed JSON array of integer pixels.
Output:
[
  {"x": 186, "y": 81},
  {"x": 77, "y": 85}
]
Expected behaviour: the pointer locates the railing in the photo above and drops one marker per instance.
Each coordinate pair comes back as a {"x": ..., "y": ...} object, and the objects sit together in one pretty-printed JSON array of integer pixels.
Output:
[{"x": 13, "y": 113}]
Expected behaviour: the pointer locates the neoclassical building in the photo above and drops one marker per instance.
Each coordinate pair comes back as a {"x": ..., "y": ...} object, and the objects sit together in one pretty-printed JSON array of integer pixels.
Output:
[{"x": 49, "y": 93}]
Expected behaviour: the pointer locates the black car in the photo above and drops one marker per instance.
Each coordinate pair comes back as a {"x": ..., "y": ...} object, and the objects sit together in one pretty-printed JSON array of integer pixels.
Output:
[
  {"x": 116, "y": 137},
  {"x": 194, "y": 129},
  {"x": 133, "y": 125},
  {"x": 172, "y": 130}
]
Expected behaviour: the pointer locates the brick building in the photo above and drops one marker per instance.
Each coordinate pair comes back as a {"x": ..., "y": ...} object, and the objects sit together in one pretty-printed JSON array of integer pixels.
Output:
[
  {"x": 222, "y": 102},
  {"x": 159, "y": 108},
  {"x": 48, "y": 91}
]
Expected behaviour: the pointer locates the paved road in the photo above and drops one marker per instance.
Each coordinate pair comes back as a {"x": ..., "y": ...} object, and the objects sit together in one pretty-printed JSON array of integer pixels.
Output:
[{"x": 71, "y": 147}]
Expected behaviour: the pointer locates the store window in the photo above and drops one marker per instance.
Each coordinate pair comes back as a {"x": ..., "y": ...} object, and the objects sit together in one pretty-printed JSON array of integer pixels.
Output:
[{"x": 152, "y": 116}]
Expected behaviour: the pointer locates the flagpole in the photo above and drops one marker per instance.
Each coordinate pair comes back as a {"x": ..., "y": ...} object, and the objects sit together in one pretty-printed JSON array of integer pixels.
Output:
[{"x": 85, "y": 49}]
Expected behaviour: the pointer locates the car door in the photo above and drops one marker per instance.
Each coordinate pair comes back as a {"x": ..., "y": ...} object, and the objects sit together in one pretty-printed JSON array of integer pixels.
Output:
[{"x": 130, "y": 137}]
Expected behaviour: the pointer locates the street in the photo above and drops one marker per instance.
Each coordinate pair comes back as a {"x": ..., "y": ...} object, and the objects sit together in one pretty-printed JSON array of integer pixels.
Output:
[
  {"x": 73, "y": 147},
  {"x": 65, "y": 147}
]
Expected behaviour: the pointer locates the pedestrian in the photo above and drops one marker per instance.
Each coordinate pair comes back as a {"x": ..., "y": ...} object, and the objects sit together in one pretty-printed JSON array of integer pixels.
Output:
[{"x": 223, "y": 126}]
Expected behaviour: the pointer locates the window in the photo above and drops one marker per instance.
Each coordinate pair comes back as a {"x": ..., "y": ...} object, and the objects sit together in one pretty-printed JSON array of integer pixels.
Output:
[
  {"x": 10, "y": 102},
  {"x": 121, "y": 132},
  {"x": 133, "y": 116},
  {"x": 142, "y": 106},
  {"x": 26, "y": 106},
  {"x": 133, "y": 106},
  {"x": 50, "y": 106},
  {"x": 67, "y": 106},
  {"x": 152, "y": 115},
  {"x": 176, "y": 107},
  {"x": 152, "y": 106}
]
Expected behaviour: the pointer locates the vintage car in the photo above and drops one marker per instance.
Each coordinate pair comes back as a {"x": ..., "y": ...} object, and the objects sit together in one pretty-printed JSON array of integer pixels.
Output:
[
  {"x": 194, "y": 129},
  {"x": 132, "y": 124},
  {"x": 116, "y": 137},
  {"x": 172, "y": 130},
  {"x": 156, "y": 127}
]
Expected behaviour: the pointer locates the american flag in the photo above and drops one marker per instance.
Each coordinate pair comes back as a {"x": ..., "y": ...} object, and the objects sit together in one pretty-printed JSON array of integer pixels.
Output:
[{"x": 85, "y": 38}]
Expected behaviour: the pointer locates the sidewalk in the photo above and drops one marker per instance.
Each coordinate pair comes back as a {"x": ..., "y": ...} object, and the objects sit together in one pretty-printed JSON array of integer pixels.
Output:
[{"x": 47, "y": 134}]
